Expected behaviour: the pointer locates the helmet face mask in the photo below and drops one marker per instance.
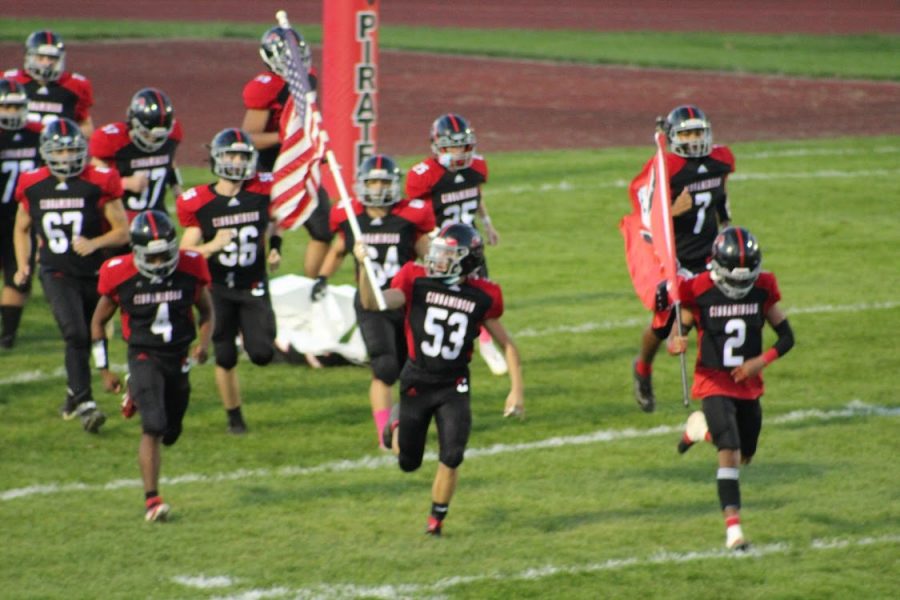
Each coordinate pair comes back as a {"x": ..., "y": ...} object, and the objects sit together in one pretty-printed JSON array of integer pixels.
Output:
[
  {"x": 275, "y": 51},
  {"x": 453, "y": 142},
  {"x": 456, "y": 252},
  {"x": 150, "y": 119},
  {"x": 63, "y": 148},
  {"x": 13, "y": 105},
  {"x": 232, "y": 155},
  {"x": 736, "y": 262},
  {"x": 154, "y": 245},
  {"x": 378, "y": 168},
  {"x": 689, "y": 132},
  {"x": 41, "y": 46}
]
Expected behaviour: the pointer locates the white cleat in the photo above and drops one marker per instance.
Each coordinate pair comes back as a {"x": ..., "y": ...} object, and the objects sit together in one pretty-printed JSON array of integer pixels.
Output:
[
  {"x": 493, "y": 357},
  {"x": 158, "y": 512}
]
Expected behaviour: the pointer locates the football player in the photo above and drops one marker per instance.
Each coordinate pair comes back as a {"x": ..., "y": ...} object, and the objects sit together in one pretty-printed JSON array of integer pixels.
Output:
[
  {"x": 52, "y": 91},
  {"x": 76, "y": 210},
  {"x": 730, "y": 305},
  {"x": 19, "y": 142},
  {"x": 450, "y": 179},
  {"x": 698, "y": 170},
  {"x": 445, "y": 304},
  {"x": 395, "y": 231},
  {"x": 227, "y": 222},
  {"x": 157, "y": 286},
  {"x": 142, "y": 150},
  {"x": 267, "y": 100}
]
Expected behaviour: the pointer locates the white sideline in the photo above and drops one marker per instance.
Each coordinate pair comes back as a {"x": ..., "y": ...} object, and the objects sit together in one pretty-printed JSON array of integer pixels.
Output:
[
  {"x": 347, "y": 591},
  {"x": 38, "y": 375},
  {"x": 853, "y": 409}
]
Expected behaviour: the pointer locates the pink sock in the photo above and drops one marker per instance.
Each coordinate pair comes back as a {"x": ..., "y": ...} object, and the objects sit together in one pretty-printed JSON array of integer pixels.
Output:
[
  {"x": 485, "y": 336},
  {"x": 381, "y": 417}
]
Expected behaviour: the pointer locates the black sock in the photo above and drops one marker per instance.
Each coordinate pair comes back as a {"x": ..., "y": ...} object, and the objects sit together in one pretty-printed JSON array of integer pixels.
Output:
[
  {"x": 150, "y": 494},
  {"x": 439, "y": 511},
  {"x": 234, "y": 415},
  {"x": 10, "y": 317}
]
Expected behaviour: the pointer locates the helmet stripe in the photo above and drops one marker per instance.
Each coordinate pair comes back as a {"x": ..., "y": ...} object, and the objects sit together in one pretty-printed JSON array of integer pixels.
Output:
[
  {"x": 62, "y": 127},
  {"x": 454, "y": 121},
  {"x": 152, "y": 222},
  {"x": 740, "y": 239},
  {"x": 162, "y": 107}
]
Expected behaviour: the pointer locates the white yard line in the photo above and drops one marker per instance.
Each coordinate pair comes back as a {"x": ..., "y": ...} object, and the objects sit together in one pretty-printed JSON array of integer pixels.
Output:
[
  {"x": 853, "y": 409},
  {"x": 438, "y": 589}
]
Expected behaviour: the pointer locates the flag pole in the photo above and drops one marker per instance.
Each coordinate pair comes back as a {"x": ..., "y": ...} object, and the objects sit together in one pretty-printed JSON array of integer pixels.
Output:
[{"x": 282, "y": 19}]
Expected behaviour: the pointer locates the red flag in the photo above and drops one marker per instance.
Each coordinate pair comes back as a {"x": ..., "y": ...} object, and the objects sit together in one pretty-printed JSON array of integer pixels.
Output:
[
  {"x": 648, "y": 232},
  {"x": 296, "y": 174}
]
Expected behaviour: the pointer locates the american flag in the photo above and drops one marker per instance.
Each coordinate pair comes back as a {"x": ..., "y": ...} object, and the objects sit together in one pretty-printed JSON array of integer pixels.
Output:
[{"x": 297, "y": 175}]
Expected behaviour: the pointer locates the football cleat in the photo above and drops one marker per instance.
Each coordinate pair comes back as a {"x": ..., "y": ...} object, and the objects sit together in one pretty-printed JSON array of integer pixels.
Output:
[
  {"x": 695, "y": 430},
  {"x": 434, "y": 527},
  {"x": 157, "y": 510},
  {"x": 237, "y": 427},
  {"x": 643, "y": 390},
  {"x": 387, "y": 433},
  {"x": 735, "y": 540},
  {"x": 493, "y": 357},
  {"x": 128, "y": 406},
  {"x": 91, "y": 418}
]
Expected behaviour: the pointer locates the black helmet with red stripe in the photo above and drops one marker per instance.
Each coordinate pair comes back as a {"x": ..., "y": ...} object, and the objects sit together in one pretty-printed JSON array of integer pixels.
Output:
[
  {"x": 379, "y": 167},
  {"x": 154, "y": 244},
  {"x": 45, "y": 43},
  {"x": 63, "y": 147},
  {"x": 453, "y": 141},
  {"x": 275, "y": 51},
  {"x": 12, "y": 95},
  {"x": 150, "y": 119},
  {"x": 736, "y": 262},
  {"x": 456, "y": 252},
  {"x": 232, "y": 155},
  {"x": 689, "y": 131}
]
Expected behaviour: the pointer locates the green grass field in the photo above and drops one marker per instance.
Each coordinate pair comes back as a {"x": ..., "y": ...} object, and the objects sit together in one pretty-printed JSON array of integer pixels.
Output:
[{"x": 586, "y": 498}]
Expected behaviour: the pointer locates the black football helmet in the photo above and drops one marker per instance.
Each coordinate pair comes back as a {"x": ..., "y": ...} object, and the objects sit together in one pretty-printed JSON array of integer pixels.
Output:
[
  {"x": 736, "y": 262},
  {"x": 232, "y": 155},
  {"x": 452, "y": 131},
  {"x": 274, "y": 49},
  {"x": 150, "y": 119},
  {"x": 379, "y": 167},
  {"x": 456, "y": 252},
  {"x": 45, "y": 43},
  {"x": 12, "y": 95},
  {"x": 688, "y": 117},
  {"x": 63, "y": 147},
  {"x": 154, "y": 244}
]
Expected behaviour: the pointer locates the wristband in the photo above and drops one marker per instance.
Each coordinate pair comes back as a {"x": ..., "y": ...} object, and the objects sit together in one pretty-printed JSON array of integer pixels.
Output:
[
  {"x": 98, "y": 349},
  {"x": 770, "y": 355},
  {"x": 275, "y": 243}
]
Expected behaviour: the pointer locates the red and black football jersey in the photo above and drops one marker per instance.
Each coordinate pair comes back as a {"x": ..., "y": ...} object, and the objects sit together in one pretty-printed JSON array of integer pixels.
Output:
[
  {"x": 156, "y": 314},
  {"x": 242, "y": 263},
  {"x": 454, "y": 195},
  {"x": 729, "y": 332},
  {"x": 268, "y": 91},
  {"x": 112, "y": 144},
  {"x": 704, "y": 178},
  {"x": 60, "y": 210},
  {"x": 391, "y": 239},
  {"x": 71, "y": 96},
  {"x": 443, "y": 321},
  {"x": 18, "y": 154}
]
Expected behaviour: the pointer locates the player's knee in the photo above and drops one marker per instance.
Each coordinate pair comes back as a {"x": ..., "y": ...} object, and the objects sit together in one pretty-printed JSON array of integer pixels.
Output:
[
  {"x": 261, "y": 356},
  {"x": 226, "y": 356},
  {"x": 171, "y": 435},
  {"x": 409, "y": 463},
  {"x": 386, "y": 368},
  {"x": 451, "y": 457}
]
